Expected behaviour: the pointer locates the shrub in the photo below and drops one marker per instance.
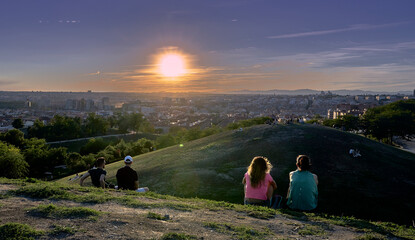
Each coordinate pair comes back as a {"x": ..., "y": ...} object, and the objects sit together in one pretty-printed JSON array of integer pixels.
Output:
[{"x": 18, "y": 231}]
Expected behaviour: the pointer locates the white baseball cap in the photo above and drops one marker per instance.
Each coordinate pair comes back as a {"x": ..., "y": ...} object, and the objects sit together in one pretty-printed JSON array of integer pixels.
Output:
[{"x": 128, "y": 159}]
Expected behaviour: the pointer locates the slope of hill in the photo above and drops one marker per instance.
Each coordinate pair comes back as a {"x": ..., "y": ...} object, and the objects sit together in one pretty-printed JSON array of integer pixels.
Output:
[
  {"x": 44, "y": 210},
  {"x": 380, "y": 185}
]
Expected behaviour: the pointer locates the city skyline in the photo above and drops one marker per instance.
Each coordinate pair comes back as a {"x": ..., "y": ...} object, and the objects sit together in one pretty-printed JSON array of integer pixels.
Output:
[{"x": 227, "y": 46}]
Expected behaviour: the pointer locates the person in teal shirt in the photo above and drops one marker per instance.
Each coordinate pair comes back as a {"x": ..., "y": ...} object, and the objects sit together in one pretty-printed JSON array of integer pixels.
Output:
[{"x": 302, "y": 192}]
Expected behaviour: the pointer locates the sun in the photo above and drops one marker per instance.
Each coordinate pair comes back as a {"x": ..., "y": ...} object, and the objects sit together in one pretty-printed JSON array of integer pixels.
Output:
[{"x": 172, "y": 65}]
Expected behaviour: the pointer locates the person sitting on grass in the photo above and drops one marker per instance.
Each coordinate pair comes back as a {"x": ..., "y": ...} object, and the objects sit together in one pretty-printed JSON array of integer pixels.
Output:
[
  {"x": 302, "y": 191},
  {"x": 97, "y": 175},
  {"x": 258, "y": 183},
  {"x": 127, "y": 178}
]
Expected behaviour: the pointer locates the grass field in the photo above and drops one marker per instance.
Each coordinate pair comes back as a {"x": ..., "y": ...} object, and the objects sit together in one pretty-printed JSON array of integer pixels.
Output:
[
  {"x": 34, "y": 209},
  {"x": 378, "y": 186}
]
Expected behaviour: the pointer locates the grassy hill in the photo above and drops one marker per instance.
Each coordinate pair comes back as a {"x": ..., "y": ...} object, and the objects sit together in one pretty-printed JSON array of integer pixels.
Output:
[
  {"x": 380, "y": 185},
  {"x": 44, "y": 210}
]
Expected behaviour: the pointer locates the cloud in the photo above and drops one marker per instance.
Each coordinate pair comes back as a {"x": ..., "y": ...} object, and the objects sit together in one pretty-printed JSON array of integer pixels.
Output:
[
  {"x": 358, "y": 27},
  {"x": 7, "y": 82},
  {"x": 391, "y": 47},
  {"x": 93, "y": 74}
]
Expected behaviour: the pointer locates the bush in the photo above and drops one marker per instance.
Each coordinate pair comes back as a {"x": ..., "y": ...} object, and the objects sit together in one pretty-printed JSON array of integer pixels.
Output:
[
  {"x": 18, "y": 231},
  {"x": 12, "y": 162}
]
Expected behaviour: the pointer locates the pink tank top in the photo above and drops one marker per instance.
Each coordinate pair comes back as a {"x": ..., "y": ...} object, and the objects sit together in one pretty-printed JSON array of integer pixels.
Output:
[{"x": 260, "y": 192}]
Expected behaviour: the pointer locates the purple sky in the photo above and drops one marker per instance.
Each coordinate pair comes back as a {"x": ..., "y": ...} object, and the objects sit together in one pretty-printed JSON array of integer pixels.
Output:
[{"x": 112, "y": 45}]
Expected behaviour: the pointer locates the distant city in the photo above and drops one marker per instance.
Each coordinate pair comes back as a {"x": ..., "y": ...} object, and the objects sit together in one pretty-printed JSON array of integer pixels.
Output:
[{"x": 165, "y": 110}]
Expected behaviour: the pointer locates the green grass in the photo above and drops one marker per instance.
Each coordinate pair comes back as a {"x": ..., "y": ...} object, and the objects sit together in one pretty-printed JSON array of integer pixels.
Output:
[
  {"x": 371, "y": 227},
  {"x": 17, "y": 231},
  {"x": 371, "y": 236},
  {"x": 59, "y": 230},
  {"x": 51, "y": 210},
  {"x": 241, "y": 232},
  {"x": 177, "y": 236},
  {"x": 42, "y": 191},
  {"x": 213, "y": 167},
  {"x": 56, "y": 191},
  {"x": 314, "y": 230},
  {"x": 156, "y": 216}
]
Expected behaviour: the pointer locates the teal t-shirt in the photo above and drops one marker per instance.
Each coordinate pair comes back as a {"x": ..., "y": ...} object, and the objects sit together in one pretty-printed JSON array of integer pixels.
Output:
[{"x": 303, "y": 193}]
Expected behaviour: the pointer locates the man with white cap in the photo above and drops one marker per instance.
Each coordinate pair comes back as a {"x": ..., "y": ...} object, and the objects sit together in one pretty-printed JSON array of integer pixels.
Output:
[{"x": 127, "y": 178}]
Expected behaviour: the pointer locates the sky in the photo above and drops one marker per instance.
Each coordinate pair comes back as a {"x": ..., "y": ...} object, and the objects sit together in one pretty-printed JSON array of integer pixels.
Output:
[{"x": 228, "y": 45}]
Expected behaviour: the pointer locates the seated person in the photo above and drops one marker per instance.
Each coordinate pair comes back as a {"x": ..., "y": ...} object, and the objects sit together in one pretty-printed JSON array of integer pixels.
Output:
[
  {"x": 97, "y": 175},
  {"x": 127, "y": 178},
  {"x": 258, "y": 183},
  {"x": 302, "y": 192}
]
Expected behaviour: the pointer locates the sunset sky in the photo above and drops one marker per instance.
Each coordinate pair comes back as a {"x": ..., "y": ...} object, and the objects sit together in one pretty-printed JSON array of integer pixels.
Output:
[{"x": 225, "y": 45}]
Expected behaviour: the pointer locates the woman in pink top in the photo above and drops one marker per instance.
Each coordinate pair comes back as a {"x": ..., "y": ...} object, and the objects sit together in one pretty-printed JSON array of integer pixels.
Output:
[{"x": 259, "y": 185}]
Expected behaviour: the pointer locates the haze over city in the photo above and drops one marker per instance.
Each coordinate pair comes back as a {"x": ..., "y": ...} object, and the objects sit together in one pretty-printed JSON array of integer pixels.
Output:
[{"x": 206, "y": 46}]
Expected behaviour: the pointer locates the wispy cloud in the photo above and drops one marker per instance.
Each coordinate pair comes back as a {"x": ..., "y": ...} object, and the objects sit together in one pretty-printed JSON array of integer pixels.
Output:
[
  {"x": 93, "y": 74},
  {"x": 392, "y": 47},
  {"x": 358, "y": 27},
  {"x": 7, "y": 82}
]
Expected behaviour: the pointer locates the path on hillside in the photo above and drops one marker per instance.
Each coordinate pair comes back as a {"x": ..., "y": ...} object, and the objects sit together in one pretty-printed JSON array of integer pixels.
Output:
[
  {"x": 406, "y": 145},
  {"x": 87, "y": 138}
]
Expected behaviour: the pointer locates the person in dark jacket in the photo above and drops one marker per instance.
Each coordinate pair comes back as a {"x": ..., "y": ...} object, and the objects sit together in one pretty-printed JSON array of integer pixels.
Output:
[{"x": 127, "y": 178}]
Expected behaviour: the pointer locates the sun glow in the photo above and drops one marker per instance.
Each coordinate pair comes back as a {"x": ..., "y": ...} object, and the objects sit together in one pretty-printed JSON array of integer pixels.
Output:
[{"x": 172, "y": 65}]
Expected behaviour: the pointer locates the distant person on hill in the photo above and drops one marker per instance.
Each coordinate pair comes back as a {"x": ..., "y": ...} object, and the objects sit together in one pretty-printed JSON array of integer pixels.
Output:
[
  {"x": 97, "y": 175},
  {"x": 127, "y": 178},
  {"x": 258, "y": 183},
  {"x": 302, "y": 192}
]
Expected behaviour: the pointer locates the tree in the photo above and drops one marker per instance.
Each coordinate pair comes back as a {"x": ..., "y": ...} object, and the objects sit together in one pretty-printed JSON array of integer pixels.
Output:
[
  {"x": 14, "y": 137},
  {"x": 36, "y": 154},
  {"x": 94, "y": 145},
  {"x": 56, "y": 156},
  {"x": 17, "y": 123},
  {"x": 350, "y": 122},
  {"x": 95, "y": 125},
  {"x": 12, "y": 162},
  {"x": 394, "y": 119},
  {"x": 74, "y": 162},
  {"x": 133, "y": 122},
  {"x": 38, "y": 130}
]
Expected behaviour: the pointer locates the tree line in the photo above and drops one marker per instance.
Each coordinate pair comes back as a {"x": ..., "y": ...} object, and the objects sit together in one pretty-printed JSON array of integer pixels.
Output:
[
  {"x": 381, "y": 123},
  {"x": 66, "y": 128},
  {"x": 33, "y": 157}
]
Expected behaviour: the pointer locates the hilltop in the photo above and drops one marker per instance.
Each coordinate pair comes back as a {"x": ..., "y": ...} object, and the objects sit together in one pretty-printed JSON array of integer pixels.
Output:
[
  {"x": 44, "y": 210},
  {"x": 377, "y": 186}
]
